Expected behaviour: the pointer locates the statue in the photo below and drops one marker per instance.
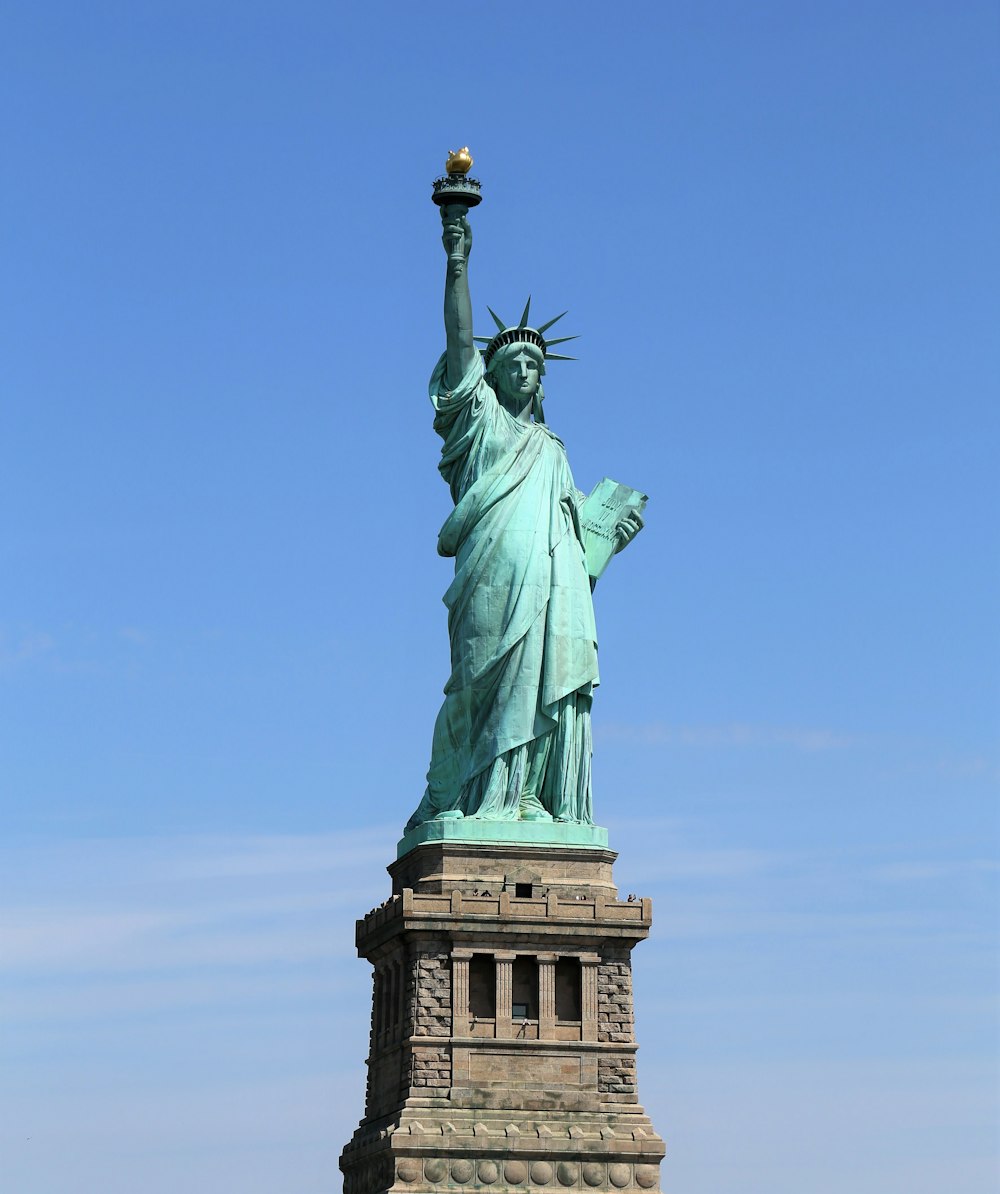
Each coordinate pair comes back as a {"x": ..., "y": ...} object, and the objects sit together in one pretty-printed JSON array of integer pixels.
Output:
[{"x": 512, "y": 741}]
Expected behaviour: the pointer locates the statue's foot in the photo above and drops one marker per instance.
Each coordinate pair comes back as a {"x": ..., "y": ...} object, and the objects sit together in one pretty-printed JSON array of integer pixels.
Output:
[
  {"x": 535, "y": 814},
  {"x": 451, "y": 814}
]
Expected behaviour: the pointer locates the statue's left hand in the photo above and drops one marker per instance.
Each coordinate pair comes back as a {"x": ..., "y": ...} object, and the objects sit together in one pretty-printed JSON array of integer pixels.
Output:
[{"x": 629, "y": 525}]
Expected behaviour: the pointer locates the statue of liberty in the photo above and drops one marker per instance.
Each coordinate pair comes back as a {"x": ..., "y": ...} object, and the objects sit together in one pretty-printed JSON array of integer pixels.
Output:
[{"x": 512, "y": 741}]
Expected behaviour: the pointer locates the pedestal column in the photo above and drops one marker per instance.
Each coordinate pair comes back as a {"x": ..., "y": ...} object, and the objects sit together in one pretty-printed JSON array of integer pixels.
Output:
[
  {"x": 461, "y": 1019},
  {"x": 505, "y": 994},
  {"x": 588, "y": 997},
  {"x": 546, "y": 997}
]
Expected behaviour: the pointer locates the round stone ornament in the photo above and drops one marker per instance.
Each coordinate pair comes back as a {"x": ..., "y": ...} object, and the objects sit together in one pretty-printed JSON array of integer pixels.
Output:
[
  {"x": 435, "y": 1170},
  {"x": 408, "y": 1169},
  {"x": 462, "y": 1171},
  {"x": 619, "y": 1175},
  {"x": 489, "y": 1171},
  {"x": 515, "y": 1172},
  {"x": 541, "y": 1173},
  {"x": 593, "y": 1173},
  {"x": 646, "y": 1176},
  {"x": 568, "y": 1172}
]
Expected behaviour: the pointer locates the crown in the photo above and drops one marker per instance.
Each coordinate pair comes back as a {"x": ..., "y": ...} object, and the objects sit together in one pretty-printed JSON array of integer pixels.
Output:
[{"x": 522, "y": 334}]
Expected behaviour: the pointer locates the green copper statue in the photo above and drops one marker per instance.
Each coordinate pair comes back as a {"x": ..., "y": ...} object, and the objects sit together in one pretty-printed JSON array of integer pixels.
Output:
[{"x": 512, "y": 741}]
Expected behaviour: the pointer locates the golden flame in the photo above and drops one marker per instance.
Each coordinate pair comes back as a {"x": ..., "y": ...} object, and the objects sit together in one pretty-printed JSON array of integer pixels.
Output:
[{"x": 459, "y": 161}]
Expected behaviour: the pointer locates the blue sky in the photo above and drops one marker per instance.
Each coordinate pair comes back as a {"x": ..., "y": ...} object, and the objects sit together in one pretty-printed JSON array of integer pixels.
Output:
[{"x": 222, "y": 642}]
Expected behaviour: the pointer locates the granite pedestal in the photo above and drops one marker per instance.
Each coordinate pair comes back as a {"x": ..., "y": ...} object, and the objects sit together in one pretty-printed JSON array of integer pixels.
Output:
[{"x": 502, "y": 1053}]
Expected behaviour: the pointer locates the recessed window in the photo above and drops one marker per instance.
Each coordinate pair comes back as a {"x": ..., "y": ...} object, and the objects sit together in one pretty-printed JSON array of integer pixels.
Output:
[
  {"x": 522, "y": 891},
  {"x": 519, "y": 1011},
  {"x": 568, "y": 986},
  {"x": 482, "y": 987},
  {"x": 524, "y": 988}
]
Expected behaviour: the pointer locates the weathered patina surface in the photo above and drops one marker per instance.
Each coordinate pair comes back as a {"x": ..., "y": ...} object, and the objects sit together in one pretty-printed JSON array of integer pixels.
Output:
[{"x": 512, "y": 741}]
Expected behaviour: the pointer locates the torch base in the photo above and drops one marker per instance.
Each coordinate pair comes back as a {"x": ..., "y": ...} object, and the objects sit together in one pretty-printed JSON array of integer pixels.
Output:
[{"x": 457, "y": 188}]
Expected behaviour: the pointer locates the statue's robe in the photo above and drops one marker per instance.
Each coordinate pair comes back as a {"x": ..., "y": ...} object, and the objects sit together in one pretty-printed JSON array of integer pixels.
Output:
[{"x": 513, "y": 736}]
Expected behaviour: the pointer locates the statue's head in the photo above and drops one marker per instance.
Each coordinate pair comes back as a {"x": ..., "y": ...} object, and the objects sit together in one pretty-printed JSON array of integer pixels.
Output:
[
  {"x": 516, "y": 371},
  {"x": 515, "y": 360}
]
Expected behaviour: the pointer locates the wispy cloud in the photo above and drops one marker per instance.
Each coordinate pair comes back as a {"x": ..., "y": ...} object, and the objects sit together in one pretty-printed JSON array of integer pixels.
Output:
[
  {"x": 970, "y": 768},
  {"x": 176, "y": 907},
  {"x": 21, "y": 647},
  {"x": 279, "y": 854},
  {"x": 832, "y": 895},
  {"x": 932, "y": 869},
  {"x": 735, "y": 734}
]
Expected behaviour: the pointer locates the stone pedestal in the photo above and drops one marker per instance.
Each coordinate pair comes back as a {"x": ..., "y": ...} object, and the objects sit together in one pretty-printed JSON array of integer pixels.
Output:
[{"x": 502, "y": 1051}]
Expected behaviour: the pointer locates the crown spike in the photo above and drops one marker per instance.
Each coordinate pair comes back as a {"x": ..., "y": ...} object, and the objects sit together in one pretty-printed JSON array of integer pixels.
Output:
[
  {"x": 545, "y": 326},
  {"x": 521, "y": 333}
]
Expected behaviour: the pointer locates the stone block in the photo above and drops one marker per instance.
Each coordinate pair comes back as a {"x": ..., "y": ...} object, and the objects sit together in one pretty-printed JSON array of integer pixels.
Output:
[{"x": 560, "y": 1109}]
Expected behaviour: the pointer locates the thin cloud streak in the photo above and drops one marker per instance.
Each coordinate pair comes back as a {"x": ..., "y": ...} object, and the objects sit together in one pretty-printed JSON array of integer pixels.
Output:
[
  {"x": 168, "y": 906},
  {"x": 105, "y": 996},
  {"x": 281, "y": 855},
  {"x": 162, "y": 905},
  {"x": 934, "y": 869},
  {"x": 736, "y": 734},
  {"x": 23, "y": 647}
]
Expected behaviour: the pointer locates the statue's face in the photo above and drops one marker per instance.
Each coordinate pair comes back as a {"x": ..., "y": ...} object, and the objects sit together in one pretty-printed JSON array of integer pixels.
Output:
[{"x": 518, "y": 377}]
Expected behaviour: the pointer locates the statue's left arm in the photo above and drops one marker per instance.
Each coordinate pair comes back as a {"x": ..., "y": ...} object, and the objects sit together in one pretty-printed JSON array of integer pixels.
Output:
[{"x": 626, "y": 529}]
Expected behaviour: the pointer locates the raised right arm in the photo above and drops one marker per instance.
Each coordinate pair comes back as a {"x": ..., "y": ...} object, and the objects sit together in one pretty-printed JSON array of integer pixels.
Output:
[{"x": 460, "y": 349}]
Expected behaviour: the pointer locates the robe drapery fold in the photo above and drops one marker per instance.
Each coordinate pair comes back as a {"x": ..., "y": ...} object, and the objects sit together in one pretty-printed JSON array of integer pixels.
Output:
[{"x": 512, "y": 738}]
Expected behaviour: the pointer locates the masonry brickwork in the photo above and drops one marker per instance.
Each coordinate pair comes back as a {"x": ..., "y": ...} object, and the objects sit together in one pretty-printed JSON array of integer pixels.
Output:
[{"x": 502, "y": 1053}]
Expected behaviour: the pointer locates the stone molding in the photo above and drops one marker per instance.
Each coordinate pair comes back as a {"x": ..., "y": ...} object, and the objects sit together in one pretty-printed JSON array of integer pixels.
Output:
[
  {"x": 500, "y": 1171},
  {"x": 493, "y": 834},
  {"x": 436, "y": 913}
]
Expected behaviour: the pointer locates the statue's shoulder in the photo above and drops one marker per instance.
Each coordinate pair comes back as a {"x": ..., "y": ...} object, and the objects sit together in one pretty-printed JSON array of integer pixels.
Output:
[{"x": 545, "y": 429}]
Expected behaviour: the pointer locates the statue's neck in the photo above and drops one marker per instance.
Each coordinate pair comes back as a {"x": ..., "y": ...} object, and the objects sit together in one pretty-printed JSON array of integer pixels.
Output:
[{"x": 515, "y": 404}]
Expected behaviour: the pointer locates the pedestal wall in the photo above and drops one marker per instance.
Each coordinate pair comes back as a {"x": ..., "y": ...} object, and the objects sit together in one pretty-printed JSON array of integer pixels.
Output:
[{"x": 502, "y": 1051}]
